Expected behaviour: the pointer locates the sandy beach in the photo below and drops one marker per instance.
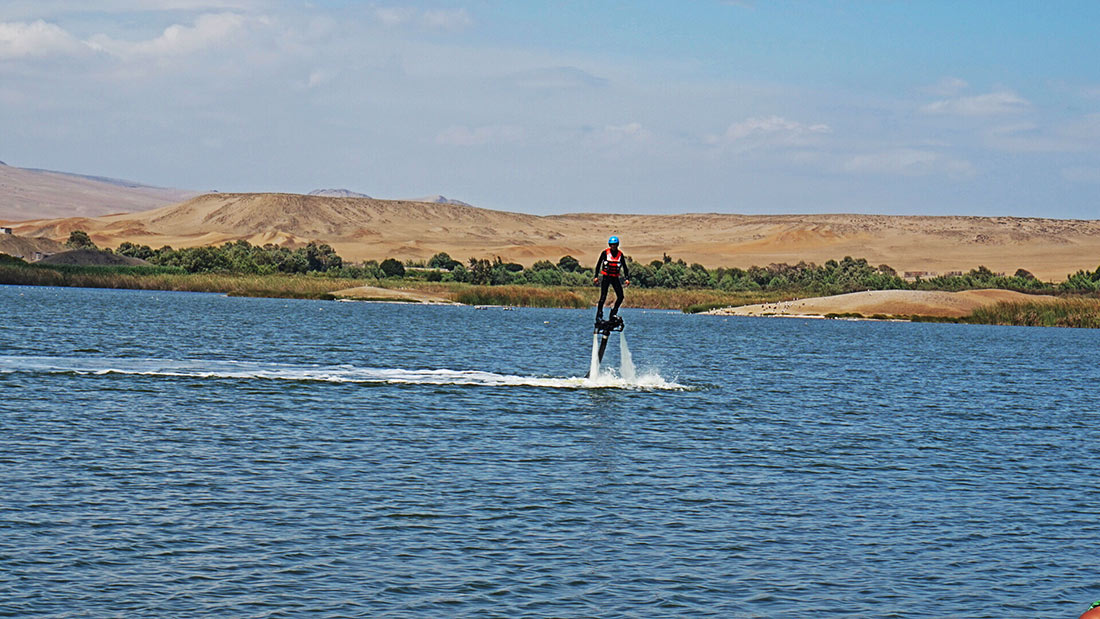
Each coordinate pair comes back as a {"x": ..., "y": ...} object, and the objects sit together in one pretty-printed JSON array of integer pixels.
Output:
[
  {"x": 375, "y": 293},
  {"x": 884, "y": 302}
]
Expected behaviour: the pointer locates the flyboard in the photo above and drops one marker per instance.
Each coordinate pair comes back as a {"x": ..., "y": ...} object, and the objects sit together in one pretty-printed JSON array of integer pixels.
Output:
[{"x": 602, "y": 332}]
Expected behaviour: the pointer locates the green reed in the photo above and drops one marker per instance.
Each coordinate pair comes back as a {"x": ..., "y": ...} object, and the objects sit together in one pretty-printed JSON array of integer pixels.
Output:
[
  {"x": 520, "y": 296},
  {"x": 1072, "y": 312}
]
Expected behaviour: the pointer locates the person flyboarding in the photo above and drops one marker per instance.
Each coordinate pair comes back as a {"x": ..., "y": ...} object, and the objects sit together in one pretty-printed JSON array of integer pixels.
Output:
[{"x": 611, "y": 271}]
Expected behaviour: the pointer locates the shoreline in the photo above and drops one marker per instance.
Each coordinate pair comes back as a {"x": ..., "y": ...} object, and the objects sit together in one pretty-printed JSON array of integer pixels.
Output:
[
  {"x": 886, "y": 304},
  {"x": 980, "y": 306},
  {"x": 319, "y": 287}
]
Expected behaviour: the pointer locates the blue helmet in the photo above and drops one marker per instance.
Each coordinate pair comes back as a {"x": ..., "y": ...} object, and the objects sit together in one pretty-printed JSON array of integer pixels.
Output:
[{"x": 613, "y": 240}]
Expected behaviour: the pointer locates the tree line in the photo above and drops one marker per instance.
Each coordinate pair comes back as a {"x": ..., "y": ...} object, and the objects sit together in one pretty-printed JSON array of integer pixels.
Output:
[{"x": 832, "y": 277}]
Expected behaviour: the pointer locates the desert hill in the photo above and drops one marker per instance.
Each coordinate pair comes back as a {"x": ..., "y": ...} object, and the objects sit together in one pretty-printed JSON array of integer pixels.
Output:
[
  {"x": 26, "y": 248},
  {"x": 27, "y": 193},
  {"x": 92, "y": 257},
  {"x": 364, "y": 228}
]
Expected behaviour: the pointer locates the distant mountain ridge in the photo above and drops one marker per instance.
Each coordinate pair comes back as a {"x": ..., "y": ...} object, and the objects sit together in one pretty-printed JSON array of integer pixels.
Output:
[
  {"x": 370, "y": 229},
  {"x": 53, "y": 204},
  {"x": 347, "y": 193},
  {"x": 337, "y": 193},
  {"x": 102, "y": 179},
  {"x": 438, "y": 199}
]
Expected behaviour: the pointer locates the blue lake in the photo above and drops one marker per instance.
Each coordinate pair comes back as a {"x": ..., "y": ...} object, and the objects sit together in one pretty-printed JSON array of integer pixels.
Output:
[{"x": 190, "y": 455}]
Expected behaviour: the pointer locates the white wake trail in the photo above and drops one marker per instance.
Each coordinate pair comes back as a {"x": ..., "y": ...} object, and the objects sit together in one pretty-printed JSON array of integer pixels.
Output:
[{"x": 246, "y": 370}]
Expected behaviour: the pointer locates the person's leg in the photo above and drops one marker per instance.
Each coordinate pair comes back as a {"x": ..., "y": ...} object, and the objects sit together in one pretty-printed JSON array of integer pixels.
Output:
[
  {"x": 604, "y": 283},
  {"x": 618, "y": 294}
]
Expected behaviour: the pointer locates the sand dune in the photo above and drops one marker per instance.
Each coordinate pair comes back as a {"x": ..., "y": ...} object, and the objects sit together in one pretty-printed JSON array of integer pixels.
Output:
[
  {"x": 29, "y": 193},
  {"x": 364, "y": 228},
  {"x": 887, "y": 302}
]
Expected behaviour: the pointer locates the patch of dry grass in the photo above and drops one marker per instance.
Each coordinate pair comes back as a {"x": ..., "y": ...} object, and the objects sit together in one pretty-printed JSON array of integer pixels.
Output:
[{"x": 1073, "y": 312}]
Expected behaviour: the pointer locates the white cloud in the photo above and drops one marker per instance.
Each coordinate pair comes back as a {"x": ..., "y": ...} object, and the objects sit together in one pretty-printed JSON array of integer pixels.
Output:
[
  {"x": 436, "y": 19},
  {"x": 908, "y": 162},
  {"x": 209, "y": 31},
  {"x": 990, "y": 104},
  {"x": 41, "y": 39},
  {"x": 491, "y": 134},
  {"x": 767, "y": 131},
  {"x": 37, "y": 39}
]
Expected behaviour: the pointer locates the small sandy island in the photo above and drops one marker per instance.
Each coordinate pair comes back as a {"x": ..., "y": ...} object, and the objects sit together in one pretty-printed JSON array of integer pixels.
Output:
[
  {"x": 885, "y": 302},
  {"x": 374, "y": 293}
]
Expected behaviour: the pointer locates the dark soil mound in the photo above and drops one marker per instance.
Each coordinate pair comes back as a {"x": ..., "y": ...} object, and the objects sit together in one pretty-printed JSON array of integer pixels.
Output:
[
  {"x": 25, "y": 247},
  {"x": 92, "y": 257}
]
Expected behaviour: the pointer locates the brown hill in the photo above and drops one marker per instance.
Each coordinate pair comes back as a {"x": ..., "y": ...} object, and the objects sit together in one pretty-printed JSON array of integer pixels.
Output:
[
  {"x": 39, "y": 194},
  {"x": 26, "y": 248},
  {"x": 363, "y": 228}
]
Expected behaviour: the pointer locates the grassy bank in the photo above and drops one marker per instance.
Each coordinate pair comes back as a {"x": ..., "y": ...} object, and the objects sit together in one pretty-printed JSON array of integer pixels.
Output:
[
  {"x": 318, "y": 286},
  {"x": 1069, "y": 312},
  {"x": 687, "y": 300},
  {"x": 1074, "y": 312},
  {"x": 322, "y": 287},
  {"x": 159, "y": 278},
  {"x": 522, "y": 296}
]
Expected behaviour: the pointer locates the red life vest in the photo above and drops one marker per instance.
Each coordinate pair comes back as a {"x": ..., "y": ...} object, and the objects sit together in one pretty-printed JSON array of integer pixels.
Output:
[{"x": 612, "y": 263}]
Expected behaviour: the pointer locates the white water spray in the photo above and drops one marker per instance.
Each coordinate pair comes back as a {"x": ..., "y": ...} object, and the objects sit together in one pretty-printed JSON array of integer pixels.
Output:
[
  {"x": 626, "y": 362},
  {"x": 594, "y": 364},
  {"x": 216, "y": 369}
]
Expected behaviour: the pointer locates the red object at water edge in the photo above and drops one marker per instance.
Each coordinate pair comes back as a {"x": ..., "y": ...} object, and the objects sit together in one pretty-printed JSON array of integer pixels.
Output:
[{"x": 1092, "y": 613}]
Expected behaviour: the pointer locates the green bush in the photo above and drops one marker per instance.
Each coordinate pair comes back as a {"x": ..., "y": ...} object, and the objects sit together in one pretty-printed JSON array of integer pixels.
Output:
[
  {"x": 79, "y": 239},
  {"x": 392, "y": 268}
]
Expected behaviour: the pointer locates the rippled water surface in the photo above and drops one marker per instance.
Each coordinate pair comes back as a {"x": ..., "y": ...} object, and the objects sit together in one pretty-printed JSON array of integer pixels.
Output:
[{"x": 183, "y": 455}]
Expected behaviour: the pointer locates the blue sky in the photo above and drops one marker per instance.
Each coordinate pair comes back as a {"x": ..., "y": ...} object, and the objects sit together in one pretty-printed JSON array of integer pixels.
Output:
[{"x": 742, "y": 106}]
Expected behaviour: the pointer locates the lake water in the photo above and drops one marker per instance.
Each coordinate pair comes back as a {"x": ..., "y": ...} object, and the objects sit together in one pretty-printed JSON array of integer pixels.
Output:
[{"x": 185, "y": 455}]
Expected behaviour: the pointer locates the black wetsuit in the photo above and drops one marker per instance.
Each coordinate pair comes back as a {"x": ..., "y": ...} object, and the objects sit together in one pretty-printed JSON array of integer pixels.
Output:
[{"x": 612, "y": 273}]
